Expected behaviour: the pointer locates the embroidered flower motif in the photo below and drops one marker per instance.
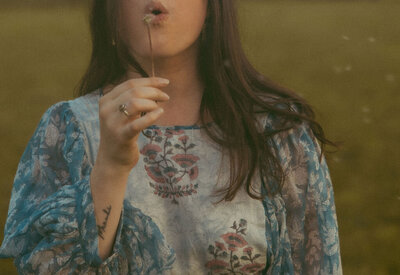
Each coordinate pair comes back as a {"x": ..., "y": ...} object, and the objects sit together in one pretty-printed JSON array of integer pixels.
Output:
[
  {"x": 151, "y": 150},
  {"x": 184, "y": 139},
  {"x": 220, "y": 246},
  {"x": 170, "y": 132},
  {"x": 185, "y": 161},
  {"x": 167, "y": 164},
  {"x": 224, "y": 263},
  {"x": 170, "y": 171},
  {"x": 234, "y": 240},
  {"x": 248, "y": 250},
  {"x": 155, "y": 173},
  {"x": 193, "y": 173}
]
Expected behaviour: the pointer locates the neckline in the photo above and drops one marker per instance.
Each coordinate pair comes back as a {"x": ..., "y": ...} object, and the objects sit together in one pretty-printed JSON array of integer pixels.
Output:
[
  {"x": 170, "y": 127},
  {"x": 179, "y": 127}
]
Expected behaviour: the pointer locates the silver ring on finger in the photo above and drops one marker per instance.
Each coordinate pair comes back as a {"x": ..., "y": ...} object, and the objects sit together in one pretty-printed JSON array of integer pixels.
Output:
[{"x": 122, "y": 109}]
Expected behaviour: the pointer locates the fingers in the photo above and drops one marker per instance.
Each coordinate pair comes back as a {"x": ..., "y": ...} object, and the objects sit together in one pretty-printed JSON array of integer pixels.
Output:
[
  {"x": 139, "y": 95},
  {"x": 134, "y": 127},
  {"x": 134, "y": 107},
  {"x": 142, "y": 92},
  {"x": 137, "y": 100},
  {"x": 133, "y": 84}
]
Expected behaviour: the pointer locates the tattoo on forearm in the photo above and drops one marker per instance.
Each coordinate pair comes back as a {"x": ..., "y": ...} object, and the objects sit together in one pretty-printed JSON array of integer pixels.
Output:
[{"x": 102, "y": 228}]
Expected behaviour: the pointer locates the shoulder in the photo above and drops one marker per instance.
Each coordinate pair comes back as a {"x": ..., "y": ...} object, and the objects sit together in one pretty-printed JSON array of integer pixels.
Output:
[
  {"x": 72, "y": 111},
  {"x": 86, "y": 107},
  {"x": 63, "y": 122},
  {"x": 273, "y": 119},
  {"x": 285, "y": 133}
]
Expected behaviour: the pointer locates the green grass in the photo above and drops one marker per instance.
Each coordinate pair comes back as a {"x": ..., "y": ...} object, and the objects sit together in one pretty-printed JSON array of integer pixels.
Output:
[{"x": 305, "y": 46}]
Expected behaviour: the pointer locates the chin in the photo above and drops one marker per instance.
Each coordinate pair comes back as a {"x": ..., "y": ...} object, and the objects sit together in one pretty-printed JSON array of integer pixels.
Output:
[
  {"x": 166, "y": 53},
  {"x": 160, "y": 50},
  {"x": 162, "y": 53}
]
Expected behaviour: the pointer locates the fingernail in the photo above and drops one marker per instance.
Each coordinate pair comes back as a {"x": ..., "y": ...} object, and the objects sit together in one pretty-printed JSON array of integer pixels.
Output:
[{"x": 164, "y": 81}]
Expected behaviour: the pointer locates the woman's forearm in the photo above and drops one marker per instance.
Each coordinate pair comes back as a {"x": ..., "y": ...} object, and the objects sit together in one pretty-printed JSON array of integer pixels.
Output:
[{"x": 108, "y": 185}]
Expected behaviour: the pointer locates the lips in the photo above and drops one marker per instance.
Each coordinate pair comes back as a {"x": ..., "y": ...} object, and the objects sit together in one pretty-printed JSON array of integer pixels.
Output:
[
  {"x": 156, "y": 13},
  {"x": 155, "y": 8}
]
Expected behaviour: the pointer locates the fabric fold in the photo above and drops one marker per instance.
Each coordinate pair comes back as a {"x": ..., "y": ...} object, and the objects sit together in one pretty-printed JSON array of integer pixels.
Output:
[{"x": 304, "y": 212}]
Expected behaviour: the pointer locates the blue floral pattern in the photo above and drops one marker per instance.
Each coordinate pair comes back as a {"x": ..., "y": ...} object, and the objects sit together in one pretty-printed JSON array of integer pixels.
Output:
[{"x": 51, "y": 224}]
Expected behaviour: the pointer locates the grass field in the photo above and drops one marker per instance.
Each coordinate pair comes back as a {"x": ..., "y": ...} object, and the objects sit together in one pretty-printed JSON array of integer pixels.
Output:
[{"x": 343, "y": 57}]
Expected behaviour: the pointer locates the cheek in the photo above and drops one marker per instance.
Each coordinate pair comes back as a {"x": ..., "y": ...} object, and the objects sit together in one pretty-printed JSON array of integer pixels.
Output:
[
  {"x": 130, "y": 27},
  {"x": 131, "y": 13},
  {"x": 191, "y": 17}
]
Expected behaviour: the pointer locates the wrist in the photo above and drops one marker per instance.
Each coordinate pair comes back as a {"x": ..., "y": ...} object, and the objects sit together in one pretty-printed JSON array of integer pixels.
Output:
[
  {"x": 107, "y": 171},
  {"x": 112, "y": 167}
]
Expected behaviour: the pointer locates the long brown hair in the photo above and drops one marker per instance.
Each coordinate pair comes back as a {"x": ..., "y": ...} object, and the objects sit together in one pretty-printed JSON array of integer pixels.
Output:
[{"x": 235, "y": 93}]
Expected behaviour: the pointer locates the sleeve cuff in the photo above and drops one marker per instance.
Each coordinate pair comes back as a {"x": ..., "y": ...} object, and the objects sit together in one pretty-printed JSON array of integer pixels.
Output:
[{"x": 87, "y": 226}]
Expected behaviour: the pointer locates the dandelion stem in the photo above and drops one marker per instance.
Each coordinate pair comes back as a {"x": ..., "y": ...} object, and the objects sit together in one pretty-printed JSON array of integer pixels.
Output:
[{"x": 147, "y": 19}]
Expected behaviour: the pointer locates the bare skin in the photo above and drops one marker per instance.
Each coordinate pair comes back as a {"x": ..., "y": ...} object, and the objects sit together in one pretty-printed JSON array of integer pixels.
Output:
[{"x": 175, "y": 47}]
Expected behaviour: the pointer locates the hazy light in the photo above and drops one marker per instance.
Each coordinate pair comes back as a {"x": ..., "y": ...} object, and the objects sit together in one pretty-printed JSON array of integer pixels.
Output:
[
  {"x": 366, "y": 120},
  {"x": 365, "y": 109},
  {"x": 390, "y": 77},
  {"x": 345, "y": 37}
]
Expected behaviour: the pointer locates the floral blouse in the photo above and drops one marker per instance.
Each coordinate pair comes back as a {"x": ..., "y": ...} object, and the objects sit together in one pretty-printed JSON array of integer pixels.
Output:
[{"x": 169, "y": 223}]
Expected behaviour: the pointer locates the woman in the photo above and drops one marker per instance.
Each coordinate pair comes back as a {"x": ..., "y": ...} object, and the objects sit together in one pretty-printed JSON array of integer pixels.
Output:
[{"x": 125, "y": 180}]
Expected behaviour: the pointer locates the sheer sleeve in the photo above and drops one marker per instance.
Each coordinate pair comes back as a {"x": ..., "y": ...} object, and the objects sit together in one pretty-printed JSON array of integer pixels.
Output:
[
  {"x": 51, "y": 225},
  {"x": 309, "y": 201}
]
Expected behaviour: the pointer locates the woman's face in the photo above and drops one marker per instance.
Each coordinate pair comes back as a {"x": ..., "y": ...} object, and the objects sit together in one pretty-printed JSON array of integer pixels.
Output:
[{"x": 173, "y": 36}]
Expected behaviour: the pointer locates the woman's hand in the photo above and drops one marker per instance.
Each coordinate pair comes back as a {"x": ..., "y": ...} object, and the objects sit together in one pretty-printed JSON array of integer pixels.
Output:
[{"x": 118, "y": 132}]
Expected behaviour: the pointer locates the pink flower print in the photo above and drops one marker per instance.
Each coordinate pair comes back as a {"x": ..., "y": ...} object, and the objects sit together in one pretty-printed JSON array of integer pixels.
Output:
[
  {"x": 248, "y": 250},
  {"x": 170, "y": 171},
  {"x": 252, "y": 268},
  {"x": 220, "y": 246},
  {"x": 185, "y": 161},
  {"x": 193, "y": 172},
  {"x": 151, "y": 150},
  {"x": 170, "y": 132},
  {"x": 184, "y": 139},
  {"x": 234, "y": 240},
  {"x": 157, "y": 132},
  {"x": 232, "y": 247},
  {"x": 154, "y": 172},
  {"x": 217, "y": 265},
  {"x": 237, "y": 264}
]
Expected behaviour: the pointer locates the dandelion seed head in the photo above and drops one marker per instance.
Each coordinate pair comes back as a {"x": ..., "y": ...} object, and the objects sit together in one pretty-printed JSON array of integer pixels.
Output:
[
  {"x": 389, "y": 77},
  {"x": 148, "y": 18},
  {"x": 336, "y": 159},
  {"x": 365, "y": 109},
  {"x": 260, "y": 77},
  {"x": 348, "y": 68},
  {"x": 337, "y": 69},
  {"x": 371, "y": 39},
  {"x": 345, "y": 37},
  {"x": 366, "y": 120},
  {"x": 227, "y": 63}
]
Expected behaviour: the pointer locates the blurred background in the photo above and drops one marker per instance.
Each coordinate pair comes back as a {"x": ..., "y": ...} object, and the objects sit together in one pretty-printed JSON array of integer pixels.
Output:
[{"x": 342, "y": 56}]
